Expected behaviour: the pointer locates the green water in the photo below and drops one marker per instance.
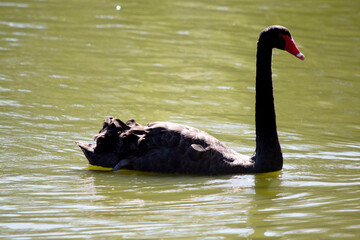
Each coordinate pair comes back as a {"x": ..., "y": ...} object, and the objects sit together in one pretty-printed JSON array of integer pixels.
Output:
[{"x": 66, "y": 65}]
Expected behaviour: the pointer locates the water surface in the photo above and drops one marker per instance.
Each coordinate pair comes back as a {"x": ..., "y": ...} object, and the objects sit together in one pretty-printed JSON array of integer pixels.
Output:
[{"x": 66, "y": 66}]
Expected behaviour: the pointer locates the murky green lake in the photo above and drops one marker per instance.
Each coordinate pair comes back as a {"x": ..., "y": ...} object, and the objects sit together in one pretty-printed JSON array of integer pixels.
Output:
[{"x": 66, "y": 65}]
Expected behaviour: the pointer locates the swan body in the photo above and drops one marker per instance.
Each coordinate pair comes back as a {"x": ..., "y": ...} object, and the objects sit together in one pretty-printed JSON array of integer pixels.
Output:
[
  {"x": 163, "y": 147},
  {"x": 174, "y": 148}
]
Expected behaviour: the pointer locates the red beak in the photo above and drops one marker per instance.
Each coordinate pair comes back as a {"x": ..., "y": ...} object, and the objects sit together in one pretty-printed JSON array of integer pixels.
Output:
[{"x": 290, "y": 47}]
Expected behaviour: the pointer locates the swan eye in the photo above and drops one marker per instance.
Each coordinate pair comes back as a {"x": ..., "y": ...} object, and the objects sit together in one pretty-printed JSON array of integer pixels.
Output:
[{"x": 283, "y": 36}]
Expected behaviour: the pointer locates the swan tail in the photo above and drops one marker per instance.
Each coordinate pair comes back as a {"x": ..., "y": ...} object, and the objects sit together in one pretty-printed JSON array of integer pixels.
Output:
[{"x": 116, "y": 143}]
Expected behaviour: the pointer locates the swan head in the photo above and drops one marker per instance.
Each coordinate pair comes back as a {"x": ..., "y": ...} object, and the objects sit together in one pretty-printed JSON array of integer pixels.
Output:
[{"x": 279, "y": 37}]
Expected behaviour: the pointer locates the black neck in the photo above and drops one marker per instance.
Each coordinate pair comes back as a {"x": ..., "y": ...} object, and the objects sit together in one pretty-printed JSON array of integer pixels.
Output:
[{"x": 268, "y": 156}]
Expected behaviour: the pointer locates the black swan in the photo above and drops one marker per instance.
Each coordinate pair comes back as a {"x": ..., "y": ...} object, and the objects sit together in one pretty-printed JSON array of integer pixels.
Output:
[{"x": 174, "y": 148}]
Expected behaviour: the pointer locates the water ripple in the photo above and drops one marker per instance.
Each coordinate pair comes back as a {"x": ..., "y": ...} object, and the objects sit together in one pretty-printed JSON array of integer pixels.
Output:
[{"x": 22, "y": 25}]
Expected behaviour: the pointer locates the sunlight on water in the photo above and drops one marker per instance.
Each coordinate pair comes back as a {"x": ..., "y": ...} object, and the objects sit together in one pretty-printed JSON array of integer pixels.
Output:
[{"x": 66, "y": 66}]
